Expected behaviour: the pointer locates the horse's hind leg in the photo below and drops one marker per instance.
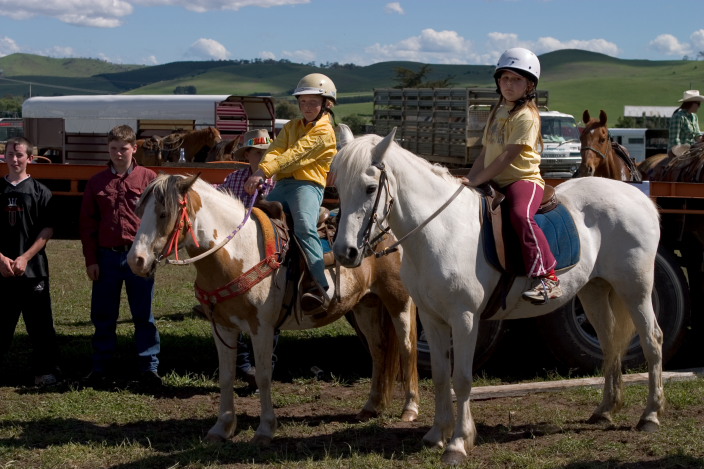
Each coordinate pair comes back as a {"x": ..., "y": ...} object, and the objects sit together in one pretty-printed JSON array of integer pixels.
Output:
[
  {"x": 614, "y": 330},
  {"x": 380, "y": 330},
  {"x": 225, "y": 426}
]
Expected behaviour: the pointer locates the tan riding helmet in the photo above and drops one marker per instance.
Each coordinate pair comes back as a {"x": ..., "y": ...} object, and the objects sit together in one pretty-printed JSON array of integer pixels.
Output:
[{"x": 317, "y": 83}]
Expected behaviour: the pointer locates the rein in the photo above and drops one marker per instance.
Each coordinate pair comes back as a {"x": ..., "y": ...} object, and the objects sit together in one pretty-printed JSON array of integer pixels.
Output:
[
  {"x": 173, "y": 243},
  {"x": 369, "y": 245}
]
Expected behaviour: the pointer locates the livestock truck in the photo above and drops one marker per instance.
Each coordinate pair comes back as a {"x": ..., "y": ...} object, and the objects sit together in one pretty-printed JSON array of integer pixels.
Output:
[
  {"x": 445, "y": 126},
  {"x": 70, "y": 133}
]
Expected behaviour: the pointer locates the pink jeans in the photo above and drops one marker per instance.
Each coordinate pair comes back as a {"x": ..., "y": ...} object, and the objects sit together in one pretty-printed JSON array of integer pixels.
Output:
[{"x": 522, "y": 201}]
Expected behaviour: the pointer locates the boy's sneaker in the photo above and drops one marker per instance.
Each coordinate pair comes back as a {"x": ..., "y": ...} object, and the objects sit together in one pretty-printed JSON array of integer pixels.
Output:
[
  {"x": 544, "y": 289},
  {"x": 150, "y": 380},
  {"x": 45, "y": 380}
]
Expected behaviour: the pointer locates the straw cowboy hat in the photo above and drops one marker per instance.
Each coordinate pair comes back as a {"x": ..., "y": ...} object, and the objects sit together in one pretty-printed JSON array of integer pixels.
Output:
[
  {"x": 257, "y": 138},
  {"x": 691, "y": 95}
]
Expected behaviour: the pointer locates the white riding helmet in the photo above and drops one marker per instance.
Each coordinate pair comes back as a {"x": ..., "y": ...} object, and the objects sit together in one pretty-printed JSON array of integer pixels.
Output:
[
  {"x": 521, "y": 61},
  {"x": 317, "y": 83}
]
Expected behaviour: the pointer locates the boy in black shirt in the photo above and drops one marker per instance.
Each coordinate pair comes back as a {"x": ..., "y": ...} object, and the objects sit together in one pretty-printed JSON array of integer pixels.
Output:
[{"x": 25, "y": 228}]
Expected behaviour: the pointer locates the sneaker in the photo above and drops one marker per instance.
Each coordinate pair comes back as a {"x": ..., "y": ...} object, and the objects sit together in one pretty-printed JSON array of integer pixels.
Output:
[
  {"x": 314, "y": 301},
  {"x": 544, "y": 289},
  {"x": 249, "y": 377},
  {"x": 96, "y": 380},
  {"x": 45, "y": 380}
]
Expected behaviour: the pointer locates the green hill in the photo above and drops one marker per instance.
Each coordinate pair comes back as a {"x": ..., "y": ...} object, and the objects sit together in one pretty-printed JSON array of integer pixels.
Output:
[{"x": 576, "y": 79}]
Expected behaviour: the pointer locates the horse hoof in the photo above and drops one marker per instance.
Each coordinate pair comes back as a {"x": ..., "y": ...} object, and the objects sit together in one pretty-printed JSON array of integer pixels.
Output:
[
  {"x": 261, "y": 441},
  {"x": 453, "y": 458},
  {"x": 365, "y": 415},
  {"x": 409, "y": 416},
  {"x": 599, "y": 419},
  {"x": 647, "y": 426},
  {"x": 214, "y": 438},
  {"x": 433, "y": 444}
]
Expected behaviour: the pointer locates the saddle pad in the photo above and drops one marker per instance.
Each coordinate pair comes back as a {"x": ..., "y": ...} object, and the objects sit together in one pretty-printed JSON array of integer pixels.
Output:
[{"x": 559, "y": 229}]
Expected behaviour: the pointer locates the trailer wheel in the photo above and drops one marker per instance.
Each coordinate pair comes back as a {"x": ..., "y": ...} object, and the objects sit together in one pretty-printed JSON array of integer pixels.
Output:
[
  {"x": 490, "y": 334},
  {"x": 572, "y": 340}
]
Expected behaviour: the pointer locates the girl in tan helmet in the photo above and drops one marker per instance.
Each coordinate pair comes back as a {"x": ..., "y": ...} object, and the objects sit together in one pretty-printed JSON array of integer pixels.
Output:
[{"x": 299, "y": 159}]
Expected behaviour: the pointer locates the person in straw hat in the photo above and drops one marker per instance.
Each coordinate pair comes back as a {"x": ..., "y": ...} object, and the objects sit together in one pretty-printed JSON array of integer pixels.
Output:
[
  {"x": 254, "y": 146},
  {"x": 684, "y": 124}
]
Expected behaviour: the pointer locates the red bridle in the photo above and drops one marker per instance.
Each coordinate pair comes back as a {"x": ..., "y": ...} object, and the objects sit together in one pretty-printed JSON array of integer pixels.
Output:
[{"x": 184, "y": 221}]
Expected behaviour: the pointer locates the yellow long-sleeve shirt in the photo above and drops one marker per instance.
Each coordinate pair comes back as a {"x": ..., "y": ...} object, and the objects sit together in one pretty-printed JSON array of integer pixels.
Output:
[{"x": 301, "y": 151}]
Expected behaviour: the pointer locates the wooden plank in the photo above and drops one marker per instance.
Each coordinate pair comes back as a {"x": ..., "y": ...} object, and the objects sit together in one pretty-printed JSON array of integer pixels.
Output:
[{"x": 514, "y": 390}]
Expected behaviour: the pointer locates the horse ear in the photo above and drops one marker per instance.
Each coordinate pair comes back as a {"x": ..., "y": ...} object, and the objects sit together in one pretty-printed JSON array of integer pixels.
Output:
[
  {"x": 602, "y": 117},
  {"x": 383, "y": 146},
  {"x": 346, "y": 136},
  {"x": 184, "y": 185},
  {"x": 586, "y": 117}
]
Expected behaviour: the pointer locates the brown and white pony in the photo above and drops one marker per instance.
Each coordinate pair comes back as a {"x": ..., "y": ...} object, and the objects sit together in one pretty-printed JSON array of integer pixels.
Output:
[
  {"x": 390, "y": 331},
  {"x": 598, "y": 156}
]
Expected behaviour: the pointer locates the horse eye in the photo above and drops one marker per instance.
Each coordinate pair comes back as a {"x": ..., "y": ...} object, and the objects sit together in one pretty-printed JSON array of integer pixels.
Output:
[
  {"x": 162, "y": 215},
  {"x": 371, "y": 189}
]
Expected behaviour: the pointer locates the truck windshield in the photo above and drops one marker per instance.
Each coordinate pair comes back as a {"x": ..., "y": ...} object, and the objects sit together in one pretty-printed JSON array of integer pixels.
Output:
[{"x": 559, "y": 129}]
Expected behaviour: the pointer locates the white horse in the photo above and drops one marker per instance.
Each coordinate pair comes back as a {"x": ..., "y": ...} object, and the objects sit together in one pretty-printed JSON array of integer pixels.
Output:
[
  {"x": 178, "y": 210},
  {"x": 450, "y": 280}
]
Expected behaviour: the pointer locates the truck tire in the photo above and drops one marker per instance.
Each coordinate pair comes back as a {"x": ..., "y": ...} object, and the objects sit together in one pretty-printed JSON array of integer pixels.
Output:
[
  {"x": 572, "y": 340},
  {"x": 490, "y": 334}
]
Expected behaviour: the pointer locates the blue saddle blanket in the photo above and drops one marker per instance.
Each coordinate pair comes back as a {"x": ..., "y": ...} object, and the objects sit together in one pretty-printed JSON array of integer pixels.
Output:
[
  {"x": 561, "y": 232},
  {"x": 559, "y": 229}
]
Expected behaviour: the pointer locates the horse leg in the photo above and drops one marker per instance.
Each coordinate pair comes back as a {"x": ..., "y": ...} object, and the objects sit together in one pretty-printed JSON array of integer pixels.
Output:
[
  {"x": 369, "y": 318},
  {"x": 465, "y": 329},
  {"x": 438, "y": 335},
  {"x": 225, "y": 426},
  {"x": 263, "y": 344},
  {"x": 614, "y": 330},
  {"x": 637, "y": 300}
]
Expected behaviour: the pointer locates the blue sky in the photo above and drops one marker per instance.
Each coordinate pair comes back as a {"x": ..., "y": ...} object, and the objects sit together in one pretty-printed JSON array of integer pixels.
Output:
[{"x": 354, "y": 31}]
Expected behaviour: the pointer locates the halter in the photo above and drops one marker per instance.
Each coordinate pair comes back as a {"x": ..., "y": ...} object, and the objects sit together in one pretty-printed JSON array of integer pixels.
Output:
[
  {"x": 374, "y": 219},
  {"x": 172, "y": 245},
  {"x": 184, "y": 220},
  {"x": 598, "y": 152},
  {"x": 369, "y": 245}
]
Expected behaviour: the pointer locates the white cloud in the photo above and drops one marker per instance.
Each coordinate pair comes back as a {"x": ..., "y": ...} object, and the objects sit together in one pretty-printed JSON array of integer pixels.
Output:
[
  {"x": 60, "y": 52},
  {"x": 430, "y": 46},
  {"x": 8, "y": 46},
  {"x": 207, "y": 49},
  {"x": 93, "y": 13},
  {"x": 697, "y": 39},
  {"x": 669, "y": 45},
  {"x": 394, "y": 7},
  {"x": 301, "y": 56},
  {"x": 150, "y": 60},
  {"x": 201, "y": 6},
  {"x": 549, "y": 44},
  {"x": 267, "y": 55}
]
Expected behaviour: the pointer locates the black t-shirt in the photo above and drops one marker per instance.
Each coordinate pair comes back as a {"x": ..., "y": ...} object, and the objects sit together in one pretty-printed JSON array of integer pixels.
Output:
[{"x": 25, "y": 210}]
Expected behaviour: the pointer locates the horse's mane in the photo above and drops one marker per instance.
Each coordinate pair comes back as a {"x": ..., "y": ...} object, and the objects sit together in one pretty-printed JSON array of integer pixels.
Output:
[
  {"x": 163, "y": 188},
  {"x": 356, "y": 157}
]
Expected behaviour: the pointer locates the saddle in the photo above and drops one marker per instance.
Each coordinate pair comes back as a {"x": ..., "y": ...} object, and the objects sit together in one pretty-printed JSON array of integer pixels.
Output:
[
  {"x": 299, "y": 278},
  {"x": 550, "y": 213},
  {"x": 622, "y": 152}
]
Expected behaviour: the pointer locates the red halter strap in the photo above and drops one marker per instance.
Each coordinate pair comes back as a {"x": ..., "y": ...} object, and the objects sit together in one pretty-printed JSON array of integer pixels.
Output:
[{"x": 184, "y": 221}]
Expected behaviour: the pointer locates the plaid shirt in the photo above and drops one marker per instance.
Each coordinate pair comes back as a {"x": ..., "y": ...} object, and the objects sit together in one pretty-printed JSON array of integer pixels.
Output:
[
  {"x": 684, "y": 128},
  {"x": 234, "y": 183}
]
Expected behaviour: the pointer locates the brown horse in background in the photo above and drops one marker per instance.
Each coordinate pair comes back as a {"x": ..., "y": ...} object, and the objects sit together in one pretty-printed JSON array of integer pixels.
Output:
[
  {"x": 224, "y": 151},
  {"x": 599, "y": 158},
  {"x": 148, "y": 151},
  {"x": 196, "y": 143}
]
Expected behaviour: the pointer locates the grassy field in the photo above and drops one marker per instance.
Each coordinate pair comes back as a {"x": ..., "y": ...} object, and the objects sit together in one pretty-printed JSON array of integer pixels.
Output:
[{"x": 69, "y": 426}]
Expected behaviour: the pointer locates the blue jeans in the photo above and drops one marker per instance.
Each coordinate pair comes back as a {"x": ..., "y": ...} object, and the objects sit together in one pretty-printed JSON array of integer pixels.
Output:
[
  {"x": 302, "y": 199},
  {"x": 105, "y": 310}
]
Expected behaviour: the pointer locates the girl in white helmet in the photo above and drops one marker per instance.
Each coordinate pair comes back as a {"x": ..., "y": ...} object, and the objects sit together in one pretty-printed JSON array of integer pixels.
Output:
[
  {"x": 299, "y": 159},
  {"x": 510, "y": 157}
]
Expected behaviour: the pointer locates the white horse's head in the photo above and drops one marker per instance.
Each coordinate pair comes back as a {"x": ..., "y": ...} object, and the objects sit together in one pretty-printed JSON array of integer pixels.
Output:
[
  {"x": 158, "y": 208},
  {"x": 365, "y": 192}
]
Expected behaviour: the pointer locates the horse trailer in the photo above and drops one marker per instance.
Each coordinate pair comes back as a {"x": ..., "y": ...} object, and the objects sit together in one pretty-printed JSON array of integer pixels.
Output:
[{"x": 641, "y": 143}]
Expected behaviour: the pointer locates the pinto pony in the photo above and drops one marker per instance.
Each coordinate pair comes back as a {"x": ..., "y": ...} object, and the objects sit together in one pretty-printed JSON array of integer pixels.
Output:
[
  {"x": 439, "y": 223},
  {"x": 168, "y": 208},
  {"x": 599, "y": 157}
]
